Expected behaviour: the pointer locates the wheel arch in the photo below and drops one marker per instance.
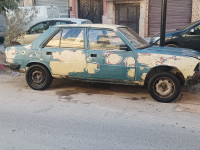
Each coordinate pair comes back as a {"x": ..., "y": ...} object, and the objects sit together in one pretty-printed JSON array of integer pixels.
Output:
[
  {"x": 37, "y": 63},
  {"x": 173, "y": 42},
  {"x": 173, "y": 70}
]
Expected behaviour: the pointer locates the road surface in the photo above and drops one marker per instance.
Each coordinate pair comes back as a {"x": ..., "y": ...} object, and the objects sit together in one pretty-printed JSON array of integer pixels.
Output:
[{"x": 76, "y": 115}]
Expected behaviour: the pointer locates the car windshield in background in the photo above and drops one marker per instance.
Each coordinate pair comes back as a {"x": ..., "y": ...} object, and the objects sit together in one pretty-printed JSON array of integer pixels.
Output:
[
  {"x": 189, "y": 25},
  {"x": 134, "y": 38}
]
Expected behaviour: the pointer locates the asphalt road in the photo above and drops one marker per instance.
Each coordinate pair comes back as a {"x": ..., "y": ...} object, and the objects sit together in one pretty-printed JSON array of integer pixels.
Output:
[{"x": 75, "y": 115}]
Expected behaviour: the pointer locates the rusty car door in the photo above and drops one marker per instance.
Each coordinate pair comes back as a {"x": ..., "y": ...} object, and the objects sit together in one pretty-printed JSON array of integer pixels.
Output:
[
  {"x": 65, "y": 53},
  {"x": 108, "y": 57}
]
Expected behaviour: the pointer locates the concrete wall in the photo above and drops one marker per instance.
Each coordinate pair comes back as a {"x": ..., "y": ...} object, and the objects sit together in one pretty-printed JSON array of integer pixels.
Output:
[{"x": 26, "y": 3}]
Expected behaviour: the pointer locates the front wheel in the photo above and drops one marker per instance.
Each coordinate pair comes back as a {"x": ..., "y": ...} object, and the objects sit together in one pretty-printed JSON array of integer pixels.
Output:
[
  {"x": 38, "y": 77},
  {"x": 164, "y": 87}
]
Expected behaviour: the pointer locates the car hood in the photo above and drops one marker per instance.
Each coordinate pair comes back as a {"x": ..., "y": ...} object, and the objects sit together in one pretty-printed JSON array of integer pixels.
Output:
[{"x": 170, "y": 51}]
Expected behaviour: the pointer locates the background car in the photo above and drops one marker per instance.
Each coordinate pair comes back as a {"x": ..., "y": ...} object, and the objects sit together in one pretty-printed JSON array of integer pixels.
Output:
[
  {"x": 34, "y": 31},
  {"x": 187, "y": 37}
]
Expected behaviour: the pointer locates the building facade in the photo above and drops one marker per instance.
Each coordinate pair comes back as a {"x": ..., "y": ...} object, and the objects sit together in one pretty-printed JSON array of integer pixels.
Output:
[
  {"x": 143, "y": 16},
  {"x": 61, "y": 4}
]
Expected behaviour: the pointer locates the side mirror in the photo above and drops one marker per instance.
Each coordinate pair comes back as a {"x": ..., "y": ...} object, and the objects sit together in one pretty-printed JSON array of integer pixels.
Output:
[{"x": 192, "y": 31}]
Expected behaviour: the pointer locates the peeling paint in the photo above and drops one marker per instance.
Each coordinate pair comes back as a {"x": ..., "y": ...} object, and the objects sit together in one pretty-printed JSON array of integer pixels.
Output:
[
  {"x": 129, "y": 62},
  {"x": 91, "y": 68},
  {"x": 113, "y": 59},
  {"x": 10, "y": 54},
  {"x": 131, "y": 73},
  {"x": 185, "y": 64},
  {"x": 139, "y": 82},
  {"x": 141, "y": 68},
  {"x": 69, "y": 62},
  {"x": 28, "y": 47},
  {"x": 143, "y": 77}
]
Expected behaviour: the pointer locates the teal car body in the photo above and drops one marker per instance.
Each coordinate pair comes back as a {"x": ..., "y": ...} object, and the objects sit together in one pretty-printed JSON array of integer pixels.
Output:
[{"x": 104, "y": 53}]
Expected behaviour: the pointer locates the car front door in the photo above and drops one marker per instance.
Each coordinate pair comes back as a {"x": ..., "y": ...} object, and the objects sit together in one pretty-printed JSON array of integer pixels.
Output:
[
  {"x": 65, "y": 53},
  {"x": 192, "y": 38},
  {"x": 108, "y": 57}
]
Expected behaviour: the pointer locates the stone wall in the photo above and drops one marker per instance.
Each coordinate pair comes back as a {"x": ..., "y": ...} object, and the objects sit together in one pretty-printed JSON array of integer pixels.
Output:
[{"x": 195, "y": 10}]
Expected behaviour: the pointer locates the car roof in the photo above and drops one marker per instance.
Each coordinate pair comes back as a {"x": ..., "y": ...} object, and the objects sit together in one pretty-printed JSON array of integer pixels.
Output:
[
  {"x": 110, "y": 26},
  {"x": 76, "y": 20}
]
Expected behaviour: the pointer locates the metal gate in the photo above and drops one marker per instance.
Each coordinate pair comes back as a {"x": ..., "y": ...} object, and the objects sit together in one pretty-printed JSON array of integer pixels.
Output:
[
  {"x": 128, "y": 15},
  {"x": 61, "y": 4},
  {"x": 178, "y": 14},
  {"x": 91, "y": 9}
]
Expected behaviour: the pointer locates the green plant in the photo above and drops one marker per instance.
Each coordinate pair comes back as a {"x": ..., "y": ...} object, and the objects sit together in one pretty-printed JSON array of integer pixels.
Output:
[{"x": 17, "y": 20}]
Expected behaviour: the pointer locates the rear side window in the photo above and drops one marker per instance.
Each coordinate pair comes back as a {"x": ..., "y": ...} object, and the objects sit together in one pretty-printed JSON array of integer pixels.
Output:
[
  {"x": 55, "y": 41},
  {"x": 68, "y": 38}
]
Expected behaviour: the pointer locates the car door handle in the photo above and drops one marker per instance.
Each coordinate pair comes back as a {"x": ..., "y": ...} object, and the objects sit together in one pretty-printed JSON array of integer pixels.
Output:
[
  {"x": 93, "y": 55},
  {"x": 48, "y": 53}
]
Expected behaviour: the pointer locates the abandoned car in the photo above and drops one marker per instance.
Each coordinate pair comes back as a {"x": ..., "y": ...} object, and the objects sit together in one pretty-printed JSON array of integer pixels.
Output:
[{"x": 104, "y": 53}]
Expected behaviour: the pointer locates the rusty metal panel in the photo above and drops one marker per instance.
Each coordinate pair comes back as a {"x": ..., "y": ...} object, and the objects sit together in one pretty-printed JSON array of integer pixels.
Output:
[{"x": 179, "y": 14}]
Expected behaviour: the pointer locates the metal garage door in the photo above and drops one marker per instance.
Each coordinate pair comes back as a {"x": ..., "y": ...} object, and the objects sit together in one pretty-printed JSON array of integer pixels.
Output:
[
  {"x": 178, "y": 14},
  {"x": 62, "y": 5}
]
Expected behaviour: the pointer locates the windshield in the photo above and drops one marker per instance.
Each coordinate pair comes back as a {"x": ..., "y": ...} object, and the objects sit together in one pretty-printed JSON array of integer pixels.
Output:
[
  {"x": 134, "y": 38},
  {"x": 189, "y": 25}
]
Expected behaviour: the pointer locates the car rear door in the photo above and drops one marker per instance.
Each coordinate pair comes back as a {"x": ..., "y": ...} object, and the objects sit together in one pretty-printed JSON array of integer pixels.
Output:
[
  {"x": 108, "y": 57},
  {"x": 65, "y": 53}
]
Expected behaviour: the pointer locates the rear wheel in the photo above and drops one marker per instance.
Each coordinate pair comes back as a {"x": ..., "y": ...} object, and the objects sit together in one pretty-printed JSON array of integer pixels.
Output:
[
  {"x": 38, "y": 77},
  {"x": 164, "y": 87}
]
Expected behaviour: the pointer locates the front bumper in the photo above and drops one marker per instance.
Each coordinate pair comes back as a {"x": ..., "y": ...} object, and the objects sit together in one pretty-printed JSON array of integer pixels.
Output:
[{"x": 12, "y": 66}]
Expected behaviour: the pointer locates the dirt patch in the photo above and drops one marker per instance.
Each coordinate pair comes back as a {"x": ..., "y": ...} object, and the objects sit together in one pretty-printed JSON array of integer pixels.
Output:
[
  {"x": 137, "y": 98},
  {"x": 188, "y": 108},
  {"x": 85, "y": 90}
]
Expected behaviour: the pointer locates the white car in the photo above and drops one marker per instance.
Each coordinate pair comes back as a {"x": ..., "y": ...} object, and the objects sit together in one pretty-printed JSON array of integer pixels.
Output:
[{"x": 34, "y": 31}]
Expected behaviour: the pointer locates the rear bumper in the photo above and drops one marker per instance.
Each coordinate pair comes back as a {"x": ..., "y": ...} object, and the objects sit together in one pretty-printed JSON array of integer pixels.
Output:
[{"x": 12, "y": 66}]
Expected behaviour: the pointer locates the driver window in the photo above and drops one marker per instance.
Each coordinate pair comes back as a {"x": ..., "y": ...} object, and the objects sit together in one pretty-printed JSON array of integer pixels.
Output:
[
  {"x": 101, "y": 39},
  {"x": 39, "y": 28}
]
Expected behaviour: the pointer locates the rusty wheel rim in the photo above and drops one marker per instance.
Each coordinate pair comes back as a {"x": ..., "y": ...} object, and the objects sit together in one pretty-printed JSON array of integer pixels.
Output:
[{"x": 164, "y": 87}]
